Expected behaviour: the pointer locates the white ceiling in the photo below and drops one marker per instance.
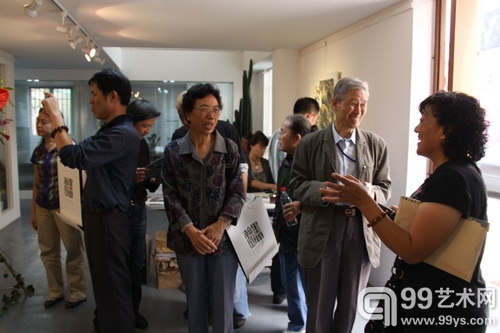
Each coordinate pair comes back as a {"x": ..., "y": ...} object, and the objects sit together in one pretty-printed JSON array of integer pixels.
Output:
[{"x": 257, "y": 25}]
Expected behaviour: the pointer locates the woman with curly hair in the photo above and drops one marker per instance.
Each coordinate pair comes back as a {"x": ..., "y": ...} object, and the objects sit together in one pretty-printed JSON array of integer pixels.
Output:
[{"x": 452, "y": 133}]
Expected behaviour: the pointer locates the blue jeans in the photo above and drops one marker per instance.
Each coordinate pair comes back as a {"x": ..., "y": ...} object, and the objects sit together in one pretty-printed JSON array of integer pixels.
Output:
[
  {"x": 138, "y": 221},
  {"x": 292, "y": 278},
  {"x": 240, "y": 296}
]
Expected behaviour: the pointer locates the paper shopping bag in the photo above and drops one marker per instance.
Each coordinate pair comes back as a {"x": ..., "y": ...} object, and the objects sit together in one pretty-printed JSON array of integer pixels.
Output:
[
  {"x": 458, "y": 255},
  {"x": 253, "y": 238},
  {"x": 70, "y": 190},
  {"x": 167, "y": 271}
]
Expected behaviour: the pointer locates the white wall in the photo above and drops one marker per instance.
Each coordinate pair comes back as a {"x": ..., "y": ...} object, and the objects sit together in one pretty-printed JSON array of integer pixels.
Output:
[
  {"x": 392, "y": 51},
  {"x": 286, "y": 84},
  {"x": 188, "y": 65},
  {"x": 146, "y": 64}
]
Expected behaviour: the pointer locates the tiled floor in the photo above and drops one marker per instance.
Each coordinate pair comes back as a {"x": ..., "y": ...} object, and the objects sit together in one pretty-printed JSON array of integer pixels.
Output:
[{"x": 163, "y": 308}]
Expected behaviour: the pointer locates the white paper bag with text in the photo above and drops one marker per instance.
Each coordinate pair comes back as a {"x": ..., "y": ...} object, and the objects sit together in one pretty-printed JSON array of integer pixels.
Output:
[{"x": 253, "y": 238}]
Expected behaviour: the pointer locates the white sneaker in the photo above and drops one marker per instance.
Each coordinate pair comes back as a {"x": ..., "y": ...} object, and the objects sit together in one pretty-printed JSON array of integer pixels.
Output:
[{"x": 288, "y": 331}]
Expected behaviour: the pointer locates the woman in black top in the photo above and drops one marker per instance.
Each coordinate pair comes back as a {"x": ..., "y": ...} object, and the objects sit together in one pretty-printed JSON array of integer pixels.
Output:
[
  {"x": 452, "y": 133},
  {"x": 260, "y": 177}
]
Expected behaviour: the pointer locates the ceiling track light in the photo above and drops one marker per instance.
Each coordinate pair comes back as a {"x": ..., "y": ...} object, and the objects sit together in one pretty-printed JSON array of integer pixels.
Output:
[
  {"x": 62, "y": 27},
  {"x": 74, "y": 42},
  {"x": 99, "y": 60},
  {"x": 32, "y": 9},
  {"x": 90, "y": 51},
  {"x": 76, "y": 34}
]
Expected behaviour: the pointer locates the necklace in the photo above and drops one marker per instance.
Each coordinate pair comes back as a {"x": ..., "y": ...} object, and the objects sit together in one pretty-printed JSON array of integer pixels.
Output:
[
  {"x": 51, "y": 145},
  {"x": 256, "y": 164}
]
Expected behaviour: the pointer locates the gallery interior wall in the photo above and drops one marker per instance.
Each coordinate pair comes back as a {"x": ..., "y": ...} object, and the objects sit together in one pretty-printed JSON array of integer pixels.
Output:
[{"x": 392, "y": 50}]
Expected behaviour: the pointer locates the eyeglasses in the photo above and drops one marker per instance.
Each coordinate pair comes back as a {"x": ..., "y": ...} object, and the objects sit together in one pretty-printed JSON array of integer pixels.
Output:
[{"x": 206, "y": 109}]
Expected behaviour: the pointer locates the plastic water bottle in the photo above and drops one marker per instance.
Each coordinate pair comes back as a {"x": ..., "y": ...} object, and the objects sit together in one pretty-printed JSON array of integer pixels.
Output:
[{"x": 284, "y": 199}]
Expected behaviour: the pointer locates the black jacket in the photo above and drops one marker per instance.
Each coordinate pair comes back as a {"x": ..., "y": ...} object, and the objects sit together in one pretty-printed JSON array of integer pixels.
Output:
[{"x": 285, "y": 235}]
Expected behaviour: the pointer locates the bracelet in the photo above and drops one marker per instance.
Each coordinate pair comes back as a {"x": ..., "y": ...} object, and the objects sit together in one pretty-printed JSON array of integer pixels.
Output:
[
  {"x": 57, "y": 130},
  {"x": 228, "y": 221},
  {"x": 377, "y": 219}
]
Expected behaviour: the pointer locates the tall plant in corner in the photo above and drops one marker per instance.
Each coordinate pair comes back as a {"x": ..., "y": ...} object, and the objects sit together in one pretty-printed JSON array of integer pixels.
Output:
[{"x": 243, "y": 116}]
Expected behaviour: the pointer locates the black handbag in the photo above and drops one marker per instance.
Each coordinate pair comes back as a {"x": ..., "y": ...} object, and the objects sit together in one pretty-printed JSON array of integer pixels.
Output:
[{"x": 377, "y": 325}]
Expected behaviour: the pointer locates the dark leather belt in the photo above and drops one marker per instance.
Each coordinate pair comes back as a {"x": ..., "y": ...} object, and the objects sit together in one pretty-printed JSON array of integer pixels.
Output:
[
  {"x": 135, "y": 202},
  {"x": 346, "y": 211},
  {"x": 98, "y": 210}
]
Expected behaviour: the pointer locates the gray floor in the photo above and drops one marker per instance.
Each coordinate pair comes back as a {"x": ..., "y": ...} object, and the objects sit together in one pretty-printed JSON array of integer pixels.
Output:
[{"x": 162, "y": 308}]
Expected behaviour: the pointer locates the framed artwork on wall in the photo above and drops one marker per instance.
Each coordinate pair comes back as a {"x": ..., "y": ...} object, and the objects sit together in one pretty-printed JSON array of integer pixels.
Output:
[{"x": 323, "y": 93}]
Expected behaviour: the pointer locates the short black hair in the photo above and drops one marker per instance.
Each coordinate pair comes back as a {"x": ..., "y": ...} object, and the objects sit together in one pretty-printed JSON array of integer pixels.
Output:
[
  {"x": 142, "y": 109},
  {"x": 199, "y": 91},
  {"x": 109, "y": 80},
  {"x": 258, "y": 137},
  {"x": 304, "y": 105}
]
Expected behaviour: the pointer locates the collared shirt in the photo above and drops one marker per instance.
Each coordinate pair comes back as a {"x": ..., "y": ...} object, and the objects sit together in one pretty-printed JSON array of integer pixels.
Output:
[
  {"x": 346, "y": 153},
  {"x": 110, "y": 158},
  {"x": 47, "y": 186},
  {"x": 200, "y": 191}
]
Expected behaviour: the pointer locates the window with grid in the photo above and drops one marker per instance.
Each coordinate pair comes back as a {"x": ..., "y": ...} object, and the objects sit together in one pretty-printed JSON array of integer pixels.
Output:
[{"x": 63, "y": 95}]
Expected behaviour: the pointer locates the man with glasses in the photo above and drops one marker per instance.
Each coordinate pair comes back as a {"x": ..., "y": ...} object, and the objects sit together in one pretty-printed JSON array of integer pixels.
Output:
[{"x": 308, "y": 107}]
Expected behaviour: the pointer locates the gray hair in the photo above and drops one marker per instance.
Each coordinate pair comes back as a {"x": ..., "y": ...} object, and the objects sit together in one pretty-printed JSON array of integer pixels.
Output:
[{"x": 346, "y": 84}]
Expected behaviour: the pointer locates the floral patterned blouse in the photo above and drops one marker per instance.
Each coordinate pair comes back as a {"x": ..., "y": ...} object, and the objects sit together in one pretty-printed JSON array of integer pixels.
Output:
[{"x": 199, "y": 191}]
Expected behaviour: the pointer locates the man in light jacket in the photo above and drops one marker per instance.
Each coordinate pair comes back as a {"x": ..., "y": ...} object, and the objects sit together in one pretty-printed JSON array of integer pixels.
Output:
[{"x": 335, "y": 246}]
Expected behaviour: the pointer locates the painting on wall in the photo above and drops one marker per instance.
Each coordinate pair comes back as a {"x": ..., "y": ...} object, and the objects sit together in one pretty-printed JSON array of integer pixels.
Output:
[{"x": 323, "y": 93}]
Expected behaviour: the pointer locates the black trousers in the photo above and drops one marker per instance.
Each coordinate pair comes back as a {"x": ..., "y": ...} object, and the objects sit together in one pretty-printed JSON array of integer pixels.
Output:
[
  {"x": 108, "y": 239},
  {"x": 276, "y": 282}
]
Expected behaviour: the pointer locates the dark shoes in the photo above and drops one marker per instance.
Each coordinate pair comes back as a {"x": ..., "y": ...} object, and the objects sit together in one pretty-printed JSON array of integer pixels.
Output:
[
  {"x": 50, "y": 303},
  {"x": 71, "y": 305},
  {"x": 95, "y": 321},
  {"x": 278, "y": 298},
  {"x": 140, "y": 321},
  {"x": 238, "y": 322},
  {"x": 68, "y": 305}
]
